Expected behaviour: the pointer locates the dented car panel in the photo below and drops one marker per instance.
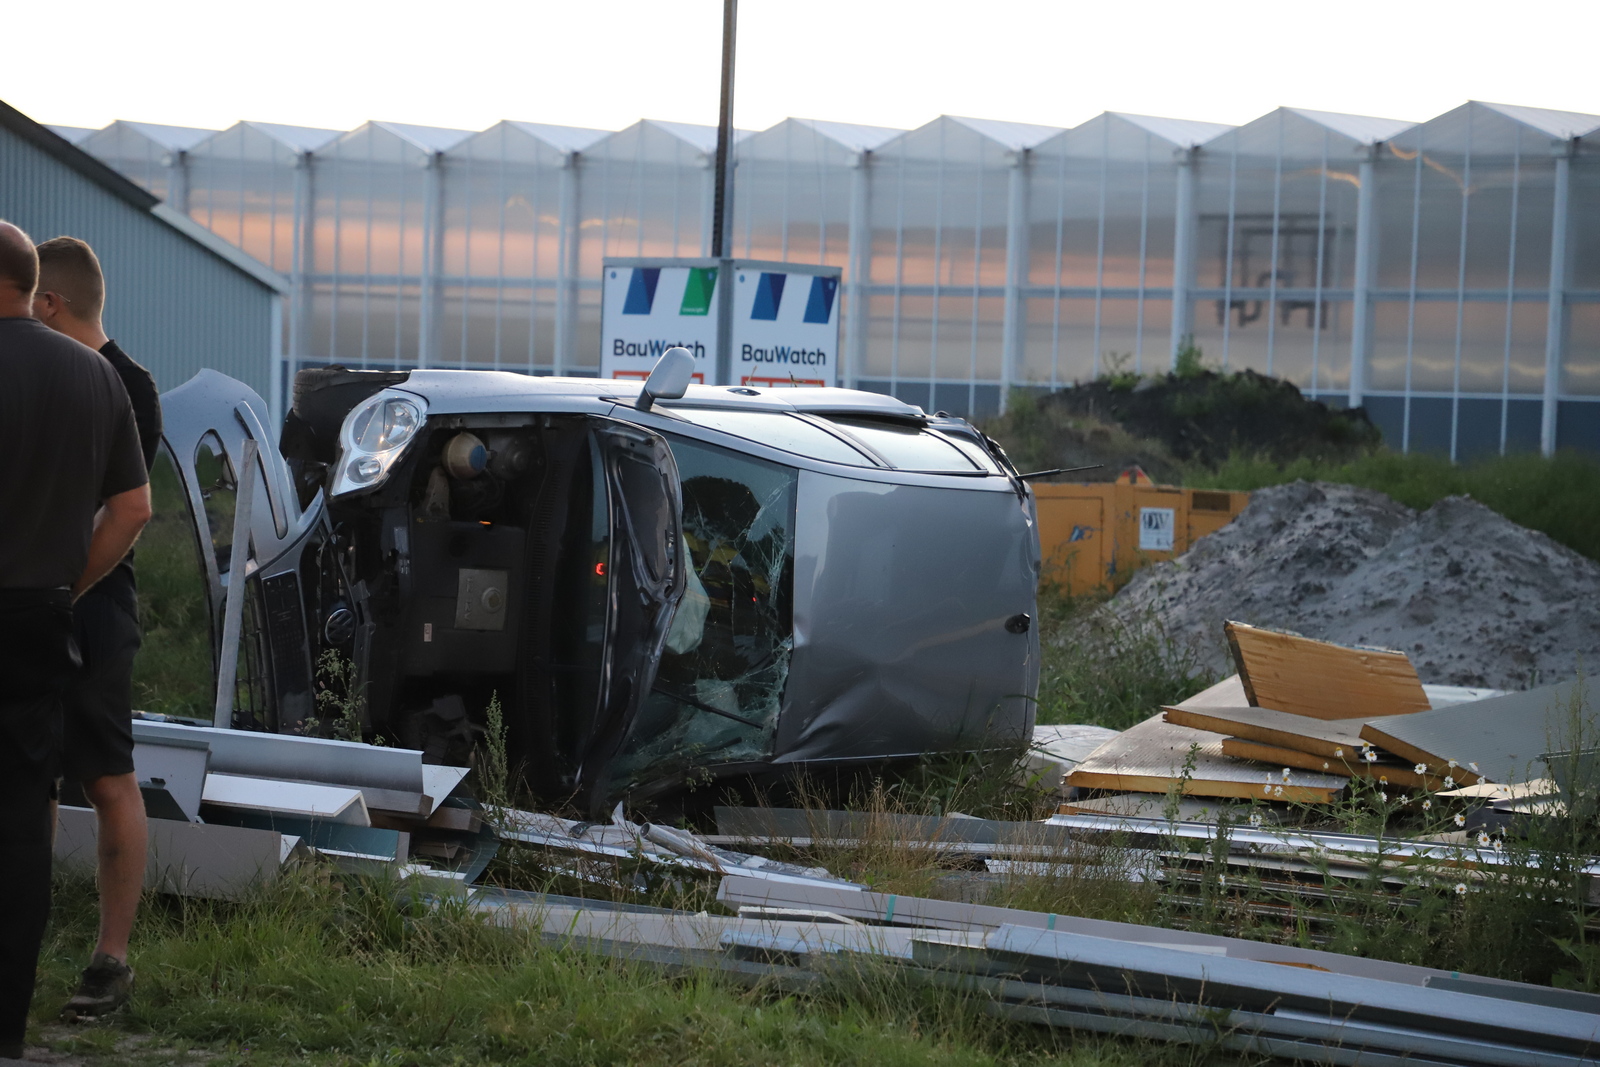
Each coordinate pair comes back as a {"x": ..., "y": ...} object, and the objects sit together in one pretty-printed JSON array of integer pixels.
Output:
[
  {"x": 734, "y": 580},
  {"x": 902, "y": 598}
]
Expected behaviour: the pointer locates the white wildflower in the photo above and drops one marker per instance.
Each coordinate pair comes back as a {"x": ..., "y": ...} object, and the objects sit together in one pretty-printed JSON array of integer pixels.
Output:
[
  {"x": 1483, "y": 839},
  {"x": 1277, "y": 790},
  {"x": 1370, "y": 756},
  {"x": 1449, "y": 782},
  {"x": 1338, "y": 753},
  {"x": 1453, "y": 763},
  {"x": 1383, "y": 779},
  {"x": 1427, "y": 805},
  {"x": 1255, "y": 818},
  {"x": 1498, "y": 845},
  {"x": 1384, "y": 797},
  {"x": 1421, "y": 768},
  {"x": 1461, "y": 889},
  {"x": 1267, "y": 789},
  {"x": 1460, "y": 819},
  {"x": 1473, "y": 767},
  {"x": 1286, "y": 774}
]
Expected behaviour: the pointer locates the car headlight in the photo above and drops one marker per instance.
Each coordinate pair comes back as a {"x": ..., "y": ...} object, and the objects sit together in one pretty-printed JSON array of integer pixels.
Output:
[{"x": 374, "y": 437}]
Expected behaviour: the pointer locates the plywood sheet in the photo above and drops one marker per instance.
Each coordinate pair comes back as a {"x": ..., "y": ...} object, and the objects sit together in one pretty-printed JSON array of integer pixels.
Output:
[
  {"x": 1353, "y": 765},
  {"x": 1495, "y": 740},
  {"x": 1228, "y": 693},
  {"x": 1295, "y": 674},
  {"x": 1154, "y": 806},
  {"x": 1334, "y": 739},
  {"x": 1149, "y": 758}
]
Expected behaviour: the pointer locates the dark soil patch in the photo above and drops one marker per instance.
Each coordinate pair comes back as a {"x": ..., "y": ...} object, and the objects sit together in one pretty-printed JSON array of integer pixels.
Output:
[{"x": 1208, "y": 416}]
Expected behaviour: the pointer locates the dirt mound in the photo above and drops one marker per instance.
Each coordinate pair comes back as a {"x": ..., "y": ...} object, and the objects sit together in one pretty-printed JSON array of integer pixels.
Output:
[
  {"x": 1206, "y": 416},
  {"x": 1473, "y": 598}
]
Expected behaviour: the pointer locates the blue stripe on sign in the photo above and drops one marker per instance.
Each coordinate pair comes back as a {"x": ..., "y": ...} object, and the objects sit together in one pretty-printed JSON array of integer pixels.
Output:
[
  {"x": 641, "y": 291},
  {"x": 819, "y": 305},
  {"x": 769, "y": 294}
]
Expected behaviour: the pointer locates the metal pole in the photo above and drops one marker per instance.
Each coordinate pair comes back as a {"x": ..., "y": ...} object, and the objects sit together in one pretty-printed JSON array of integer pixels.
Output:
[
  {"x": 1556, "y": 316},
  {"x": 860, "y": 259},
  {"x": 722, "y": 201},
  {"x": 566, "y": 338},
  {"x": 1366, "y": 260},
  {"x": 1183, "y": 254},
  {"x": 432, "y": 261},
  {"x": 1012, "y": 333},
  {"x": 238, "y": 567}
]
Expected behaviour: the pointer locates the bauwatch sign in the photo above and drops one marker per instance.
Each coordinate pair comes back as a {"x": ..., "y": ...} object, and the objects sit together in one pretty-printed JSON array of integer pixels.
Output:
[{"x": 782, "y": 327}]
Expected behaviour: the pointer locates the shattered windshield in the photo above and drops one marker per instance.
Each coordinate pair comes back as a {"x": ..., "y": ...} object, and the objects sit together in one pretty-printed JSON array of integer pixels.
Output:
[{"x": 721, "y": 679}]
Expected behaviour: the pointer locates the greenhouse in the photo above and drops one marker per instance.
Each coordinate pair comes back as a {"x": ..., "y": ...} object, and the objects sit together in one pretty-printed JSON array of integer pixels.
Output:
[{"x": 1444, "y": 274}]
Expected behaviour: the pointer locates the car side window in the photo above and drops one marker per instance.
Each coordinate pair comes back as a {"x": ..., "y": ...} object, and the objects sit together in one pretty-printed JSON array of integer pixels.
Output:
[{"x": 722, "y": 676}]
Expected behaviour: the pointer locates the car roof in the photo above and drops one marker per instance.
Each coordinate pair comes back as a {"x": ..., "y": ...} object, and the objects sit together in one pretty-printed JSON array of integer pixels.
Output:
[{"x": 463, "y": 391}]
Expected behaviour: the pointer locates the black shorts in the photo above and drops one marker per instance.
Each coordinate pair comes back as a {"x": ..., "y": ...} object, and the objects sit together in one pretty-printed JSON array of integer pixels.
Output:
[
  {"x": 37, "y": 657},
  {"x": 97, "y": 707}
]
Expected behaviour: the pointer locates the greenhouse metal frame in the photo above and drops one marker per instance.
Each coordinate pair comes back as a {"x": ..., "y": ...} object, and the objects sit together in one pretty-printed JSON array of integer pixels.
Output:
[{"x": 1444, "y": 274}]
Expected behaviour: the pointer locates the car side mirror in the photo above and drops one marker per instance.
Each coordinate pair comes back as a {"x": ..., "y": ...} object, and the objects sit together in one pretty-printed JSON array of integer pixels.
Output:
[{"x": 669, "y": 380}]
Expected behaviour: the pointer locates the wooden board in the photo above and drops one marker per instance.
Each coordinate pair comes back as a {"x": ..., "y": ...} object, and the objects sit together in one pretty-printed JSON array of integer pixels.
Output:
[
  {"x": 1149, "y": 758},
  {"x": 1333, "y": 739},
  {"x": 1320, "y": 679},
  {"x": 1355, "y": 767}
]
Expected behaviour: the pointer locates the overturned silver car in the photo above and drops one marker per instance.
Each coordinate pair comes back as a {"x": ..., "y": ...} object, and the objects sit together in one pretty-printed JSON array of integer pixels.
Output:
[{"x": 657, "y": 591}]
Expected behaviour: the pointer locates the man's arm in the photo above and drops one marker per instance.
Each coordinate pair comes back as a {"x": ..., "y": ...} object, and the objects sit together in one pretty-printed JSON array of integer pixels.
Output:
[{"x": 116, "y": 528}]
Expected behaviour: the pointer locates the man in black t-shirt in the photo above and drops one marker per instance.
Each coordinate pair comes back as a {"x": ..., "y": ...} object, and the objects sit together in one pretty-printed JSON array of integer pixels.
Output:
[
  {"x": 74, "y": 495},
  {"x": 97, "y": 708}
]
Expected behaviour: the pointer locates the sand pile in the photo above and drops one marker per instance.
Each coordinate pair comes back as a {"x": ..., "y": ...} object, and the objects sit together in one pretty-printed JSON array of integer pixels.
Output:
[{"x": 1473, "y": 598}]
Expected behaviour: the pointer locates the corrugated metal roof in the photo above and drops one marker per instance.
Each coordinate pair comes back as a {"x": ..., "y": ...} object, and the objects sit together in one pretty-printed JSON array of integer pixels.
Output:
[
  {"x": 1180, "y": 133},
  {"x": 1014, "y": 135},
  {"x": 172, "y": 138},
  {"x": 851, "y": 135},
  {"x": 1562, "y": 125},
  {"x": 702, "y": 137},
  {"x": 564, "y": 138},
  {"x": 299, "y": 138},
  {"x": 1362, "y": 129},
  {"x": 75, "y": 134},
  {"x": 427, "y": 138}
]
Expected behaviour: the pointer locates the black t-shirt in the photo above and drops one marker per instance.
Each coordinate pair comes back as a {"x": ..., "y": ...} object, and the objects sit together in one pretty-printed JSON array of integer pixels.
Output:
[
  {"x": 142, "y": 394},
  {"x": 67, "y": 442},
  {"x": 146, "y": 401}
]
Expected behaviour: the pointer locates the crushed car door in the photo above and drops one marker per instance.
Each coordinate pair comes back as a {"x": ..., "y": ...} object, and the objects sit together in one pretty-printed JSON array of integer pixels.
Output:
[
  {"x": 645, "y": 581},
  {"x": 208, "y": 421}
]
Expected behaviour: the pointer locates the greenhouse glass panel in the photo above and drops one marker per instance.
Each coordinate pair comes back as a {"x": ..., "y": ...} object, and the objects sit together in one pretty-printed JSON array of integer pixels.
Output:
[
  {"x": 1583, "y": 235},
  {"x": 646, "y": 191},
  {"x": 374, "y": 190},
  {"x": 1580, "y": 371},
  {"x": 248, "y": 185},
  {"x": 794, "y": 187},
  {"x": 146, "y": 152},
  {"x": 940, "y": 200},
  {"x": 509, "y": 220}
]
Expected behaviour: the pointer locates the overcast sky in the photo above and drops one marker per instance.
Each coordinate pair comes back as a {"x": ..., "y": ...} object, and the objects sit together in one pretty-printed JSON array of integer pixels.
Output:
[{"x": 606, "y": 64}]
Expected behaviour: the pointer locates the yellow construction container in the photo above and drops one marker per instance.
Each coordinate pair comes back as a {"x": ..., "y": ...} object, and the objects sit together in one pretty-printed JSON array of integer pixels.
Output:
[{"x": 1094, "y": 535}]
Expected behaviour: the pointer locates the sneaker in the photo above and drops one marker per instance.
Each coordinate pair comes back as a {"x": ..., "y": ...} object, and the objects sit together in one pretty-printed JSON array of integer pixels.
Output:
[{"x": 106, "y": 986}]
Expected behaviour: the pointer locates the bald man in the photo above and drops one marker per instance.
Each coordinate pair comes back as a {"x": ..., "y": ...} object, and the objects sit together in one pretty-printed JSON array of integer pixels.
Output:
[
  {"x": 97, "y": 721},
  {"x": 74, "y": 495}
]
